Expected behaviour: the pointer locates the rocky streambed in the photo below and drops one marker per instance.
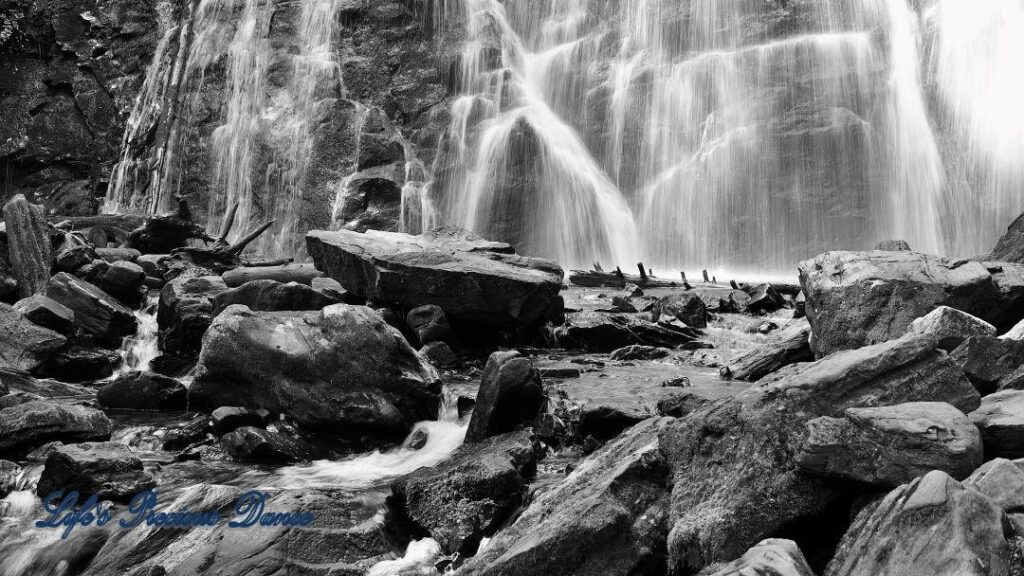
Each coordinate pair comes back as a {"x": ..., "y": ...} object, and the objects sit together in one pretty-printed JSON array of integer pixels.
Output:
[{"x": 436, "y": 403}]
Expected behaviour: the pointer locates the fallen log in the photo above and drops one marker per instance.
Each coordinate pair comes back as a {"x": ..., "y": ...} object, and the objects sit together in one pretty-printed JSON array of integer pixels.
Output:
[
  {"x": 791, "y": 346},
  {"x": 301, "y": 273},
  {"x": 595, "y": 279}
]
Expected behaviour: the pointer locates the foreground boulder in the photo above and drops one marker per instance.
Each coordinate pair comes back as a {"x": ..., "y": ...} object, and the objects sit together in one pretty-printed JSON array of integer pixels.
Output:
[
  {"x": 107, "y": 469},
  {"x": 772, "y": 557},
  {"x": 97, "y": 313},
  {"x": 273, "y": 296},
  {"x": 24, "y": 344},
  {"x": 607, "y": 517},
  {"x": 861, "y": 298},
  {"x": 892, "y": 445},
  {"x": 143, "y": 391},
  {"x": 951, "y": 326},
  {"x": 32, "y": 424},
  {"x": 790, "y": 346},
  {"x": 933, "y": 526},
  {"x": 471, "y": 279},
  {"x": 342, "y": 370},
  {"x": 510, "y": 393},
  {"x": 470, "y": 494},
  {"x": 734, "y": 476},
  {"x": 1001, "y": 421},
  {"x": 186, "y": 310}
]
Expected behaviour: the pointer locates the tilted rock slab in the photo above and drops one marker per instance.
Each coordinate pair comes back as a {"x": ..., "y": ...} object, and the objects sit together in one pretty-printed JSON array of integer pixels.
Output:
[
  {"x": 1001, "y": 421},
  {"x": 471, "y": 279},
  {"x": 342, "y": 370},
  {"x": 856, "y": 299},
  {"x": 32, "y": 424},
  {"x": 31, "y": 254},
  {"x": 96, "y": 313},
  {"x": 951, "y": 326},
  {"x": 892, "y": 445},
  {"x": 23, "y": 344},
  {"x": 734, "y": 476}
]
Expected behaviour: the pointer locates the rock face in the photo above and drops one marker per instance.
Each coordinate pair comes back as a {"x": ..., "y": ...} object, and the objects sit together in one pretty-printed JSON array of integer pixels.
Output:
[
  {"x": 1010, "y": 247},
  {"x": 772, "y": 557},
  {"x": 892, "y": 445},
  {"x": 990, "y": 362},
  {"x": 1001, "y": 421},
  {"x": 143, "y": 391},
  {"x": 28, "y": 237},
  {"x": 273, "y": 296},
  {"x": 33, "y": 424},
  {"x": 790, "y": 346},
  {"x": 897, "y": 536},
  {"x": 342, "y": 370},
  {"x": 860, "y": 298},
  {"x": 24, "y": 344},
  {"x": 735, "y": 480},
  {"x": 510, "y": 393},
  {"x": 471, "y": 279},
  {"x": 107, "y": 469},
  {"x": 951, "y": 326},
  {"x": 47, "y": 313},
  {"x": 186, "y": 310},
  {"x": 471, "y": 493},
  {"x": 607, "y": 517},
  {"x": 96, "y": 312}
]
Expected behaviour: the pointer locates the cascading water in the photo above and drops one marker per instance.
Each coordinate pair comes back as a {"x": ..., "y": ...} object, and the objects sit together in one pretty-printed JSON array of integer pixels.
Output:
[{"x": 139, "y": 350}]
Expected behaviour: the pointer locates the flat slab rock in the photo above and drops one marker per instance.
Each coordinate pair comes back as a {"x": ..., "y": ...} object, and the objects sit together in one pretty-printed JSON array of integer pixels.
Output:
[
  {"x": 471, "y": 279},
  {"x": 107, "y": 469},
  {"x": 856, "y": 299},
  {"x": 32, "y": 424}
]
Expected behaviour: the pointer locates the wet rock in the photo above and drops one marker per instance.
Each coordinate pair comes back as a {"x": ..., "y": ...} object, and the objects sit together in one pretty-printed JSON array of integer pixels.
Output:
[
  {"x": 81, "y": 364},
  {"x": 597, "y": 332},
  {"x": 951, "y": 326},
  {"x": 990, "y": 362},
  {"x": 792, "y": 345},
  {"x": 893, "y": 246},
  {"x": 510, "y": 394},
  {"x": 342, "y": 370},
  {"x": 252, "y": 444},
  {"x": 607, "y": 517},
  {"x": 891, "y": 445},
  {"x": 301, "y": 273},
  {"x": 898, "y": 534},
  {"x": 195, "y": 432},
  {"x": 687, "y": 307},
  {"x": 772, "y": 557},
  {"x": 143, "y": 391},
  {"x": 24, "y": 344},
  {"x": 1002, "y": 481},
  {"x": 764, "y": 298},
  {"x": 228, "y": 418},
  {"x": 29, "y": 249},
  {"x": 469, "y": 278},
  {"x": 152, "y": 264},
  {"x": 428, "y": 323},
  {"x": 47, "y": 313},
  {"x": 107, "y": 469},
  {"x": 471, "y": 493},
  {"x": 439, "y": 355},
  {"x": 9, "y": 472},
  {"x": 632, "y": 291},
  {"x": 640, "y": 353},
  {"x": 74, "y": 258},
  {"x": 680, "y": 405},
  {"x": 273, "y": 296},
  {"x": 125, "y": 281},
  {"x": 96, "y": 313},
  {"x": 16, "y": 398},
  {"x": 1010, "y": 247},
  {"x": 1001, "y": 421},
  {"x": 186, "y": 311},
  {"x": 861, "y": 298},
  {"x": 33, "y": 424},
  {"x": 734, "y": 477}
]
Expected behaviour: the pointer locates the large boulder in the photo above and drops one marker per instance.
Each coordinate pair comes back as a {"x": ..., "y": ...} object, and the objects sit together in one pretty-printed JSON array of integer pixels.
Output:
[
  {"x": 143, "y": 391},
  {"x": 341, "y": 370},
  {"x": 47, "y": 313},
  {"x": 273, "y": 296},
  {"x": 471, "y": 279},
  {"x": 124, "y": 280},
  {"x": 469, "y": 495},
  {"x": 186, "y": 310},
  {"x": 951, "y": 326},
  {"x": 735, "y": 478},
  {"x": 892, "y": 445},
  {"x": 933, "y": 526},
  {"x": 687, "y": 307},
  {"x": 1001, "y": 421},
  {"x": 772, "y": 557},
  {"x": 607, "y": 517},
  {"x": 97, "y": 313},
  {"x": 28, "y": 240},
  {"x": 990, "y": 362},
  {"x": 510, "y": 393},
  {"x": 861, "y": 298},
  {"x": 32, "y": 424},
  {"x": 107, "y": 469},
  {"x": 24, "y": 344}
]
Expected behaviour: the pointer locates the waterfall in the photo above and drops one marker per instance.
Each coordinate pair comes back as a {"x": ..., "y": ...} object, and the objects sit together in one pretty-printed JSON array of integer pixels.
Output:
[{"x": 138, "y": 351}]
